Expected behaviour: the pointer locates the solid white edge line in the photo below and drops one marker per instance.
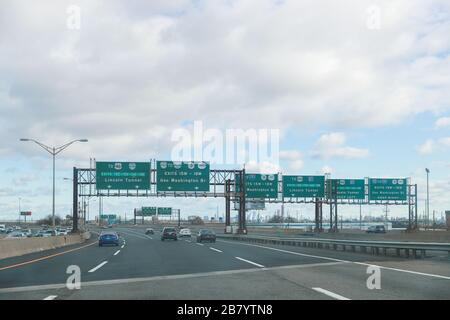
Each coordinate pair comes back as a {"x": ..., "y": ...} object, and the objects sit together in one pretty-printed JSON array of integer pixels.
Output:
[
  {"x": 117, "y": 252},
  {"x": 98, "y": 267},
  {"x": 200, "y": 244},
  {"x": 330, "y": 294},
  {"x": 50, "y": 298},
  {"x": 215, "y": 249},
  {"x": 251, "y": 262}
]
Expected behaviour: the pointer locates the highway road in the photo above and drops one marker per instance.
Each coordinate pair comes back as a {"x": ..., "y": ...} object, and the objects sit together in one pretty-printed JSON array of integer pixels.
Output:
[{"x": 144, "y": 267}]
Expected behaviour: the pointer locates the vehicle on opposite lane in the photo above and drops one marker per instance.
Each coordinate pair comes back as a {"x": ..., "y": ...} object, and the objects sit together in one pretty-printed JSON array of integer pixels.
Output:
[
  {"x": 376, "y": 229},
  {"x": 108, "y": 237},
  {"x": 169, "y": 233},
  {"x": 16, "y": 234},
  {"x": 27, "y": 233},
  {"x": 206, "y": 235}
]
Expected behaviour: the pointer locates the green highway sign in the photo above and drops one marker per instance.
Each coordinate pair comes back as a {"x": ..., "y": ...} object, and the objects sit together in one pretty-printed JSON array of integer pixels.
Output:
[
  {"x": 387, "y": 189},
  {"x": 303, "y": 186},
  {"x": 182, "y": 176},
  {"x": 260, "y": 186},
  {"x": 122, "y": 175},
  {"x": 148, "y": 211},
  {"x": 164, "y": 211},
  {"x": 108, "y": 216},
  {"x": 346, "y": 189}
]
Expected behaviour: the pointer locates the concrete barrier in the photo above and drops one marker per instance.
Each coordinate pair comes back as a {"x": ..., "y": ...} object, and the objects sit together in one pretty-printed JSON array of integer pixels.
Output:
[{"x": 20, "y": 246}]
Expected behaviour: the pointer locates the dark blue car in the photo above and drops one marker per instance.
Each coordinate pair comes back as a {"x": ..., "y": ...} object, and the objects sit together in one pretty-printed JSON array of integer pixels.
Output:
[{"x": 106, "y": 238}]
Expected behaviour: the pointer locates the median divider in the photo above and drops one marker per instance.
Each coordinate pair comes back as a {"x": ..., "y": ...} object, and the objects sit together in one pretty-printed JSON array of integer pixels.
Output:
[
  {"x": 20, "y": 246},
  {"x": 409, "y": 249}
]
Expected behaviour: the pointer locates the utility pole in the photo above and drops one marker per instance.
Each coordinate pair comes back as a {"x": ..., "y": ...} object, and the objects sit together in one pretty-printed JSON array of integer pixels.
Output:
[{"x": 19, "y": 209}]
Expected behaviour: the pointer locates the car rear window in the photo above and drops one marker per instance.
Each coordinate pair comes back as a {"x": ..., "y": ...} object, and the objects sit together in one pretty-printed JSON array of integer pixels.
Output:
[{"x": 169, "y": 230}]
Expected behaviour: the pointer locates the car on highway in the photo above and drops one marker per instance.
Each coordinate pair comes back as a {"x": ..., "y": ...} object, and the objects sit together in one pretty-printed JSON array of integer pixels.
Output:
[
  {"x": 376, "y": 229},
  {"x": 27, "y": 232},
  {"x": 149, "y": 231},
  {"x": 2, "y": 228},
  {"x": 185, "y": 232},
  {"x": 206, "y": 235},
  {"x": 169, "y": 233},
  {"x": 61, "y": 232},
  {"x": 9, "y": 230},
  {"x": 108, "y": 237},
  {"x": 50, "y": 232},
  {"x": 43, "y": 234},
  {"x": 16, "y": 234}
]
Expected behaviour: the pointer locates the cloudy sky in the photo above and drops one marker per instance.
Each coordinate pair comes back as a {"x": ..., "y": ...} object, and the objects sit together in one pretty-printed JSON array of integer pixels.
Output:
[{"x": 356, "y": 88}]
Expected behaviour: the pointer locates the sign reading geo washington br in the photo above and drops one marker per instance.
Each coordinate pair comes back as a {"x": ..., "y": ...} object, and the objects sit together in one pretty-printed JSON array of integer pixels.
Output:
[
  {"x": 122, "y": 175},
  {"x": 182, "y": 176}
]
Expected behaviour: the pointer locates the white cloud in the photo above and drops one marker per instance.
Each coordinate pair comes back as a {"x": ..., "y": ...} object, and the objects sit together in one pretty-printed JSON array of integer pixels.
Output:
[
  {"x": 431, "y": 145},
  {"x": 294, "y": 159},
  {"x": 138, "y": 66},
  {"x": 427, "y": 147},
  {"x": 262, "y": 167},
  {"x": 442, "y": 122},
  {"x": 445, "y": 141},
  {"x": 332, "y": 145},
  {"x": 137, "y": 70}
]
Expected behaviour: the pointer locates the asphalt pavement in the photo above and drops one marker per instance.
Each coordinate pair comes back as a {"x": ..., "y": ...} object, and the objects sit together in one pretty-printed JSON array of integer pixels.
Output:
[{"x": 144, "y": 267}]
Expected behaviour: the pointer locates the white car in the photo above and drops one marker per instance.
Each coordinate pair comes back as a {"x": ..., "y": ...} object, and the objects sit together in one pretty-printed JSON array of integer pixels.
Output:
[
  {"x": 27, "y": 232},
  {"x": 185, "y": 233},
  {"x": 16, "y": 234},
  {"x": 61, "y": 232}
]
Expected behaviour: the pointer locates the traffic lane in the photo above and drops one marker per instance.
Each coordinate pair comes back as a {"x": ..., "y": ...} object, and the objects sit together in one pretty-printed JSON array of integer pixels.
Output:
[
  {"x": 439, "y": 267},
  {"x": 357, "y": 282},
  {"x": 243, "y": 284},
  {"x": 146, "y": 257},
  {"x": 257, "y": 255},
  {"x": 329, "y": 280},
  {"x": 52, "y": 269}
]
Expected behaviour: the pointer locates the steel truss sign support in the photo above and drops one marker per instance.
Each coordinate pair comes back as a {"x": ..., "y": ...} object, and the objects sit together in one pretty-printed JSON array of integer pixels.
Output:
[{"x": 220, "y": 185}]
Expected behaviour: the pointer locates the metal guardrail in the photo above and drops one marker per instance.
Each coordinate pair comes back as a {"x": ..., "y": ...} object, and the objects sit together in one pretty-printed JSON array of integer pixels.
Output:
[{"x": 410, "y": 249}]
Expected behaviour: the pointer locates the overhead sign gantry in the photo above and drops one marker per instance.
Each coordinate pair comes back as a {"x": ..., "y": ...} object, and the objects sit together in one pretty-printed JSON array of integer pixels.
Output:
[{"x": 196, "y": 179}]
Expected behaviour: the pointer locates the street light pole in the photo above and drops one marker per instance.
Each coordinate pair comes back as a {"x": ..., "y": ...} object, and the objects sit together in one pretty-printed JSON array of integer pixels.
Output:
[
  {"x": 54, "y": 151},
  {"x": 428, "y": 197}
]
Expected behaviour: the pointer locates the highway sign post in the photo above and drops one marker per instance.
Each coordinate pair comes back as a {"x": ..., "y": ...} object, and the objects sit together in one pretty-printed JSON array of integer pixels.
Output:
[
  {"x": 260, "y": 186},
  {"x": 182, "y": 176},
  {"x": 123, "y": 175},
  {"x": 251, "y": 205},
  {"x": 303, "y": 186},
  {"x": 346, "y": 189},
  {"x": 25, "y": 214},
  {"x": 149, "y": 211},
  {"x": 387, "y": 189},
  {"x": 164, "y": 211}
]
